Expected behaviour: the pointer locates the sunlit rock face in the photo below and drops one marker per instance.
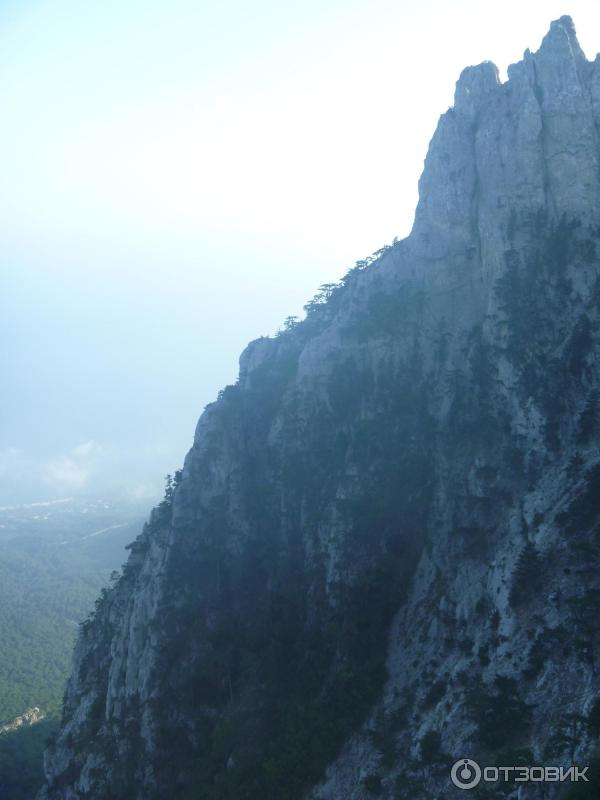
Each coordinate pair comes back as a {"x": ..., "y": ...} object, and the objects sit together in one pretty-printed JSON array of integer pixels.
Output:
[
  {"x": 27, "y": 718},
  {"x": 382, "y": 553}
]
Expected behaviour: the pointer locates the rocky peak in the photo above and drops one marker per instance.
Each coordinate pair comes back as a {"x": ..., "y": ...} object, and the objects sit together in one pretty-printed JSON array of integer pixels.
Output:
[
  {"x": 561, "y": 40},
  {"x": 507, "y": 149},
  {"x": 474, "y": 85}
]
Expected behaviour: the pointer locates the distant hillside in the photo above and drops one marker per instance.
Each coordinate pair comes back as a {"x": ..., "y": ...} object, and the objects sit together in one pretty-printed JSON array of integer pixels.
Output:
[{"x": 54, "y": 560}]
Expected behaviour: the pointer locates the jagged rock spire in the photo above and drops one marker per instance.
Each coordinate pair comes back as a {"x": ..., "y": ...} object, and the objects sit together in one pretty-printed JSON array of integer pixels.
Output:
[
  {"x": 526, "y": 146},
  {"x": 561, "y": 35}
]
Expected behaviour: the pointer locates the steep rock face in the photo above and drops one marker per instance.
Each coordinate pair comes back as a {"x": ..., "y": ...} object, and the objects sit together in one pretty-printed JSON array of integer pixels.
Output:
[{"x": 382, "y": 552}]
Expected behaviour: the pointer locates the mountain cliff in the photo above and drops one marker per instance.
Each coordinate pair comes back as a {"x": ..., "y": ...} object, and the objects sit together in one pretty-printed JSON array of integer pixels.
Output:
[{"x": 383, "y": 550}]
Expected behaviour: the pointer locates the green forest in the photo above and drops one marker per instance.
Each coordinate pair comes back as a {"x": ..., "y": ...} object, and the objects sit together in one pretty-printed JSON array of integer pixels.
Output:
[{"x": 53, "y": 564}]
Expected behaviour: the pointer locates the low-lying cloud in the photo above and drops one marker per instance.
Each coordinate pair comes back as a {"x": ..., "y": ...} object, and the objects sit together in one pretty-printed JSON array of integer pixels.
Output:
[{"x": 89, "y": 468}]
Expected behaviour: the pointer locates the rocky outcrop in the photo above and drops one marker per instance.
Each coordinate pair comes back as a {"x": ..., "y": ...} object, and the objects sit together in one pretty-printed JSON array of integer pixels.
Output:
[
  {"x": 382, "y": 552},
  {"x": 27, "y": 718}
]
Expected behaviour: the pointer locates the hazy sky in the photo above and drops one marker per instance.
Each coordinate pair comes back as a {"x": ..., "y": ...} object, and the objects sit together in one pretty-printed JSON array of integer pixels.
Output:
[{"x": 177, "y": 177}]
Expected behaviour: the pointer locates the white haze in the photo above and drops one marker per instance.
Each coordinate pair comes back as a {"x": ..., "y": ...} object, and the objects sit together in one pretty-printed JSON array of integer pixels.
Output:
[{"x": 176, "y": 178}]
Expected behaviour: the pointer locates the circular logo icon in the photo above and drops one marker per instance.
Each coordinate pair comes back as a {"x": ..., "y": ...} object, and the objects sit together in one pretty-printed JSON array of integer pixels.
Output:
[{"x": 465, "y": 773}]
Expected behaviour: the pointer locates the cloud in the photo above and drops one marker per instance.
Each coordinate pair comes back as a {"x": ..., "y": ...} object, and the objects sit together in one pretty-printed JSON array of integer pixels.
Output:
[
  {"x": 66, "y": 474},
  {"x": 87, "y": 449},
  {"x": 74, "y": 470},
  {"x": 91, "y": 468},
  {"x": 142, "y": 491}
]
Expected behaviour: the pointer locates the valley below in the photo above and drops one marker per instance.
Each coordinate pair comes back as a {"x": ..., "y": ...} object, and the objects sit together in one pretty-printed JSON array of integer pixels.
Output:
[{"x": 55, "y": 557}]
